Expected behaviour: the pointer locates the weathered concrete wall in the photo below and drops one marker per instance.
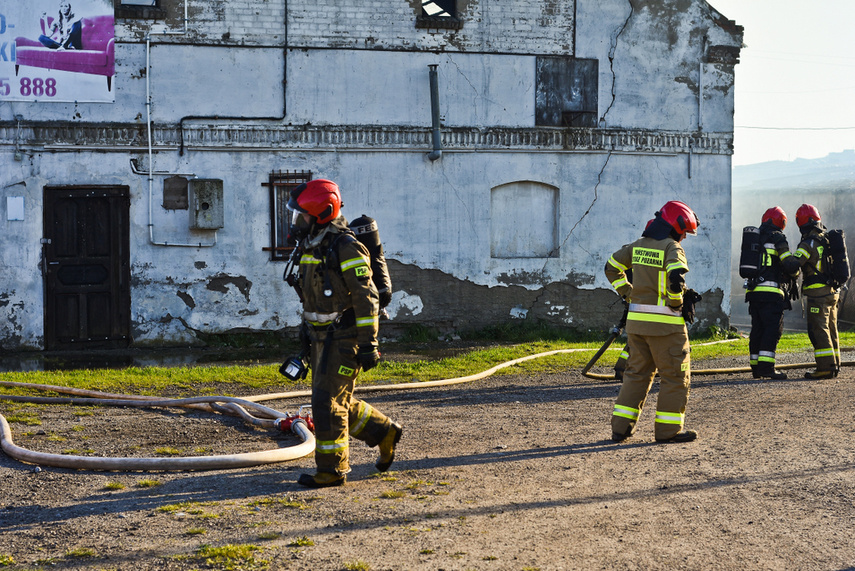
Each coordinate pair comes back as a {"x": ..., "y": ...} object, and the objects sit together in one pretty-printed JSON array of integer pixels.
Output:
[{"x": 356, "y": 108}]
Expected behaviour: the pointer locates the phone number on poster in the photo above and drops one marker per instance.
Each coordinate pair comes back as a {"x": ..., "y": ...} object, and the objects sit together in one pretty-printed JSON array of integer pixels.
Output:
[{"x": 36, "y": 87}]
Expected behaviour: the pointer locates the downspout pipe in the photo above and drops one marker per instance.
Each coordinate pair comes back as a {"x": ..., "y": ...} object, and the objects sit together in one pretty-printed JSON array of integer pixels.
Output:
[{"x": 434, "y": 111}]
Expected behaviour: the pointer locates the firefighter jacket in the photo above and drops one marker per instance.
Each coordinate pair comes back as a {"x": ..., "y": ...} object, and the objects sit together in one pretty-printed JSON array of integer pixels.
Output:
[
  {"x": 339, "y": 296},
  {"x": 814, "y": 260},
  {"x": 778, "y": 267},
  {"x": 655, "y": 295}
]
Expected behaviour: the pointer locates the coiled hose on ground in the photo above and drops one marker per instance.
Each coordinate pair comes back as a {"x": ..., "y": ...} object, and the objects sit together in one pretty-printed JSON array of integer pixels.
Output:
[{"x": 263, "y": 416}]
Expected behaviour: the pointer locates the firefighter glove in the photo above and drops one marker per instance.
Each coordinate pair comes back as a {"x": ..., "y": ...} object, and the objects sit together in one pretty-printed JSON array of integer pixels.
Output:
[
  {"x": 368, "y": 356},
  {"x": 690, "y": 298}
]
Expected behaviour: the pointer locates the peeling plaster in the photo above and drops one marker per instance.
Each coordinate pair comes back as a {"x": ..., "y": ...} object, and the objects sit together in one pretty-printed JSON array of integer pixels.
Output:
[{"x": 220, "y": 283}]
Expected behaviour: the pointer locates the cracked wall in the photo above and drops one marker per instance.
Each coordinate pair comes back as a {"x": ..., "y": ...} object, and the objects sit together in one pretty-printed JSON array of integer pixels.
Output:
[{"x": 357, "y": 107}]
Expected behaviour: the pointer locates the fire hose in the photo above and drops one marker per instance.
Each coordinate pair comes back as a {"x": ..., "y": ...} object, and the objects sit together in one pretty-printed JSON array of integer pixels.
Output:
[{"x": 265, "y": 417}]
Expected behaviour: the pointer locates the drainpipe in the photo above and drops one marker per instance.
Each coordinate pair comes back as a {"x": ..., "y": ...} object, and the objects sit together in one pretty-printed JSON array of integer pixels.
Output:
[
  {"x": 434, "y": 111},
  {"x": 151, "y": 172}
]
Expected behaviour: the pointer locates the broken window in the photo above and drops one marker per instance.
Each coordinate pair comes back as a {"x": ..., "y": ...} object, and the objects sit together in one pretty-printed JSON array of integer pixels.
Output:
[
  {"x": 566, "y": 92},
  {"x": 439, "y": 14},
  {"x": 280, "y": 185},
  {"x": 142, "y": 9}
]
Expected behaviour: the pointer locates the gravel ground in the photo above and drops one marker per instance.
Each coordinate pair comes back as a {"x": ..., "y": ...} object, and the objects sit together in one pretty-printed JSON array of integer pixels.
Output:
[{"x": 512, "y": 472}]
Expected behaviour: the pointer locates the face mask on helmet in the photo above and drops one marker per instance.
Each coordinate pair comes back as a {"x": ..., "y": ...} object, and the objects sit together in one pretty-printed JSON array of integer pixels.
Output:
[{"x": 300, "y": 227}]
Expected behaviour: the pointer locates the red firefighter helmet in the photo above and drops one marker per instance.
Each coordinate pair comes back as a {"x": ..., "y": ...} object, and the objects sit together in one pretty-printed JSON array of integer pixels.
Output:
[
  {"x": 807, "y": 213},
  {"x": 777, "y": 215},
  {"x": 320, "y": 198},
  {"x": 681, "y": 218}
]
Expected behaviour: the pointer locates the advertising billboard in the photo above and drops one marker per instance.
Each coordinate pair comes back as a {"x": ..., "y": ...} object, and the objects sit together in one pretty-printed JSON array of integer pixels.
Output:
[{"x": 57, "y": 51}]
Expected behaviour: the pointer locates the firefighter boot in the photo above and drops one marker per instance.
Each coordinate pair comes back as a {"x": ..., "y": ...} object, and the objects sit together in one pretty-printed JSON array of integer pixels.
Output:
[
  {"x": 387, "y": 447},
  {"x": 684, "y": 436},
  {"x": 768, "y": 371},
  {"x": 820, "y": 374},
  {"x": 322, "y": 480}
]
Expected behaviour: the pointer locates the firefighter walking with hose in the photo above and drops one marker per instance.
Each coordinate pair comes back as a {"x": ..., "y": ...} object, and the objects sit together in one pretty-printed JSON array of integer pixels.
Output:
[
  {"x": 659, "y": 306},
  {"x": 340, "y": 324}
]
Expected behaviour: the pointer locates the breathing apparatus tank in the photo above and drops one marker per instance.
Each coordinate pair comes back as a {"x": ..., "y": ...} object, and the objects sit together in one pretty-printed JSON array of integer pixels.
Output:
[{"x": 365, "y": 229}]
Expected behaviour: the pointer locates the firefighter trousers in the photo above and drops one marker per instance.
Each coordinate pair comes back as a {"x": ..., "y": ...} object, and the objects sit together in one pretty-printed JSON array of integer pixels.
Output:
[
  {"x": 822, "y": 330},
  {"x": 767, "y": 325},
  {"x": 647, "y": 353},
  {"x": 336, "y": 412}
]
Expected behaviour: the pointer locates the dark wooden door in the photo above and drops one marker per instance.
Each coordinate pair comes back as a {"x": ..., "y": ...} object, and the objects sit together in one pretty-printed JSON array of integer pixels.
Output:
[{"x": 87, "y": 267}]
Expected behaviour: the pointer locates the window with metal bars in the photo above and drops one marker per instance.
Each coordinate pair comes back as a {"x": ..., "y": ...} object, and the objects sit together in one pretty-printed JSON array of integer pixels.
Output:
[{"x": 280, "y": 185}]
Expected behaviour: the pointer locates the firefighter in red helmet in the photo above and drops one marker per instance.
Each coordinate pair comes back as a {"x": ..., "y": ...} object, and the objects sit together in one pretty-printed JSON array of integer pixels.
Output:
[
  {"x": 659, "y": 306},
  {"x": 340, "y": 321},
  {"x": 769, "y": 294},
  {"x": 821, "y": 297}
]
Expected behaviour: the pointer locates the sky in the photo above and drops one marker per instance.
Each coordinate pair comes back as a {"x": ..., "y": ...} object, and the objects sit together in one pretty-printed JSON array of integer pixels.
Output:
[{"x": 795, "y": 83}]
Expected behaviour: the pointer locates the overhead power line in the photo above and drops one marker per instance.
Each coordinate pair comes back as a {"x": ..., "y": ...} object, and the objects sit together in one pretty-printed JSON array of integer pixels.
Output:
[{"x": 795, "y": 128}]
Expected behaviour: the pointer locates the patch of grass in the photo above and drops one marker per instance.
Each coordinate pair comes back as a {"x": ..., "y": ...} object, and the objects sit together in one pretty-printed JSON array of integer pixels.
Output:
[
  {"x": 489, "y": 558},
  {"x": 56, "y": 438},
  {"x": 83, "y": 413},
  {"x": 80, "y": 552},
  {"x": 357, "y": 566},
  {"x": 188, "y": 507},
  {"x": 231, "y": 556},
  {"x": 269, "y": 535},
  {"x": 78, "y": 428},
  {"x": 6, "y": 560},
  {"x": 392, "y": 494},
  {"x": 114, "y": 486},
  {"x": 26, "y": 418},
  {"x": 196, "y": 531},
  {"x": 167, "y": 451},
  {"x": 426, "y": 552},
  {"x": 148, "y": 483},
  {"x": 303, "y": 541}
]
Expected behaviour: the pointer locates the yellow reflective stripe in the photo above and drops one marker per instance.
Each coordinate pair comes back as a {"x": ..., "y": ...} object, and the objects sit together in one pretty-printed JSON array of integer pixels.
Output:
[
  {"x": 624, "y": 355},
  {"x": 616, "y": 264},
  {"x": 768, "y": 289},
  {"x": 674, "y": 296},
  {"x": 309, "y": 259},
  {"x": 353, "y": 263},
  {"x": 815, "y": 286},
  {"x": 785, "y": 255},
  {"x": 320, "y": 323},
  {"x": 801, "y": 252},
  {"x": 362, "y": 416},
  {"x": 331, "y": 446},
  {"x": 626, "y": 412},
  {"x": 366, "y": 321},
  {"x": 663, "y": 291},
  {"x": 669, "y": 417},
  {"x": 656, "y": 318},
  {"x": 676, "y": 266},
  {"x": 620, "y": 282},
  {"x": 824, "y": 352}
]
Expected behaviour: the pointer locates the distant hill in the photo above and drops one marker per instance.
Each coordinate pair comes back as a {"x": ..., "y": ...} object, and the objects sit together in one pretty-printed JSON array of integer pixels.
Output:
[{"x": 834, "y": 172}]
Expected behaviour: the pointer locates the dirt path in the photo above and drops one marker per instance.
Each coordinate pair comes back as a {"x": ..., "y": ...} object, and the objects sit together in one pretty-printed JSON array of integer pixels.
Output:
[{"x": 511, "y": 473}]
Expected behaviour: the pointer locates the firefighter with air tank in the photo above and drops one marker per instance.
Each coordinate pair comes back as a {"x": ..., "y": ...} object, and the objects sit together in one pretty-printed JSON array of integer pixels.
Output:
[
  {"x": 819, "y": 290},
  {"x": 769, "y": 292},
  {"x": 340, "y": 326},
  {"x": 659, "y": 306}
]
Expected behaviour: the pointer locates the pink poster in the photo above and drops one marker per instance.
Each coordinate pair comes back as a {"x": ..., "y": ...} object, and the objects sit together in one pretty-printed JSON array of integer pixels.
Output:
[{"x": 57, "y": 51}]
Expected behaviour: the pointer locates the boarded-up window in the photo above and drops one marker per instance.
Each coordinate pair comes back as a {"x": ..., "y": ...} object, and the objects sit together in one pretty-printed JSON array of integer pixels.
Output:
[
  {"x": 524, "y": 220},
  {"x": 566, "y": 92}
]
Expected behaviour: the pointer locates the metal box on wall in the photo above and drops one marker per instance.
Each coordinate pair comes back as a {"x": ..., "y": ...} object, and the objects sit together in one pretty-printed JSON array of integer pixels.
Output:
[{"x": 206, "y": 203}]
